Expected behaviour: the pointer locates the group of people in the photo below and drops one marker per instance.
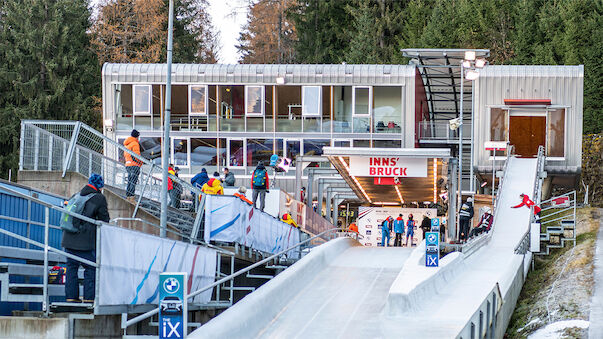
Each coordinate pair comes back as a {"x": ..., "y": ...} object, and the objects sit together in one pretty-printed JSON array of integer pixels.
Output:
[
  {"x": 398, "y": 226},
  {"x": 466, "y": 214}
]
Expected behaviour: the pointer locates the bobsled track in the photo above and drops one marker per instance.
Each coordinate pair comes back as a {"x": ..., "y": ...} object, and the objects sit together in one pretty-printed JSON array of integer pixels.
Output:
[{"x": 344, "y": 290}]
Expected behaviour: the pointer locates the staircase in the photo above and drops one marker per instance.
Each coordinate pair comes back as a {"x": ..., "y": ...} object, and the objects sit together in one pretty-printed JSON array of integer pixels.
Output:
[{"x": 558, "y": 222}]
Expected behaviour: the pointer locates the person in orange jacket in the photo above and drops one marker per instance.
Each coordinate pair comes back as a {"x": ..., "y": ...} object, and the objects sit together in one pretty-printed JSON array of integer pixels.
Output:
[
  {"x": 289, "y": 220},
  {"x": 213, "y": 186},
  {"x": 353, "y": 227},
  {"x": 132, "y": 164},
  {"x": 241, "y": 195},
  {"x": 526, "y": 201}
]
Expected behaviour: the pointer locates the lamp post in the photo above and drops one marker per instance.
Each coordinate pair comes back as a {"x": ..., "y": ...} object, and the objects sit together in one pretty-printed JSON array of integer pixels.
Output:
[{"x": 165, "y": 153}]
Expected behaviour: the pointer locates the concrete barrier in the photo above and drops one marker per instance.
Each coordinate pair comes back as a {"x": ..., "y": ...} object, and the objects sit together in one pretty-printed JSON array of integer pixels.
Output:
[
  {"x": 248, "y": 317},
  {"x": 30, "y": 327}
]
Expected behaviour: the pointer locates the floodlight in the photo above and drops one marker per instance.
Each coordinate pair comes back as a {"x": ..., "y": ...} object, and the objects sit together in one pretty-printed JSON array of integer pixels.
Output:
[
  {"x": 472, "y": 75},
  {"x": 479, "y": 63},
  {"x": 466, "y": 64},
  {"x": 108, "y": 122},
  {"x": 280, "y": 80},
  {"x": 469, "y": 55},
  {"x": 454, "y": 123}
]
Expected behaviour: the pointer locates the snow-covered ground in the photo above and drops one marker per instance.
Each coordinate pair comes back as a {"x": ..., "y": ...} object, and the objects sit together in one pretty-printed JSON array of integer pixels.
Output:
[{"x": 556, "y": 329}]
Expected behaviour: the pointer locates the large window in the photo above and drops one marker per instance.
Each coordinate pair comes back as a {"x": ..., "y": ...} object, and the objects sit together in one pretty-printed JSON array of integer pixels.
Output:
[
  {"x": 498, "y": 127},
  {"x": 197, "y": 99},
  {"x": 254, "y": 100},
  {"x": 362, "y": 101},
  {"x": 311, "y": 101},
  {"x": 259, "y": 150},
  {"x": 388, "y": 109},
  {"x": 556, "y": 133},
  {"x": 180, "y": 152},
  {"x": 142, "y": 99},
  {"x": 204, "y": 152},
  {"x": 236, "y": 153}
]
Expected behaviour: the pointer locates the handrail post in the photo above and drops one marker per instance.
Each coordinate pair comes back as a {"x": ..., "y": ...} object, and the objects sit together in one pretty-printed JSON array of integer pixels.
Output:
[
  {"x": 45, "y": 306},
  {"x": 198, "y": 218},
  {"x": 144, "y": 187},
  {"x": 74, "y": 136},
  {"x": 97, "y": 271}
]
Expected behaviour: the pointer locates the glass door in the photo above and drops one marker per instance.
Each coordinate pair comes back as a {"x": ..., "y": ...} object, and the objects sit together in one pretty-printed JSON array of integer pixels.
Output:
[{"x": 235, "y": 152}]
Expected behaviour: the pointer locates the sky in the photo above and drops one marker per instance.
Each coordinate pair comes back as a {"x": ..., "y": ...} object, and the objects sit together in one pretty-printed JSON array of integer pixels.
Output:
[{"x": 228, "y": 17}]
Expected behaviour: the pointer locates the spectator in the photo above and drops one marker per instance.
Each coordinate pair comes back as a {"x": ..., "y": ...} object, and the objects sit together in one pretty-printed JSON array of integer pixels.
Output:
[
  {"x": 353, "y": 227},
  {"x": 213, "y": 186},
  {"x": 465, "y": 215},
  {"x": 289, "y": 220},
  {"x": 385, "y": 229},
  {"x": 174, "y": 188},
  {"x": 216, "y": 175},
  {"x": 425, "y": 225},
  {"x": 229, "y": 178},
  {"x": 302, "y": 194},
  {"x": 410, "y": 230},
  {"x": 259, "y": 183},
  {"x": 484, "y": 225},
  {"x": 241, "y": 195},
  {"x": 132, "y": 164},
  {"x": 198, "y": 181},
  {"x": 526, "y": 201},
  {"x": 399, "y": 230},
  {"x": 83, "y": 242}
]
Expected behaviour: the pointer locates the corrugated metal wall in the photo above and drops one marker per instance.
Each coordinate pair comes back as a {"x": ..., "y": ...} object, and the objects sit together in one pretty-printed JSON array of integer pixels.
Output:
[{"x": 563, "y": 85}]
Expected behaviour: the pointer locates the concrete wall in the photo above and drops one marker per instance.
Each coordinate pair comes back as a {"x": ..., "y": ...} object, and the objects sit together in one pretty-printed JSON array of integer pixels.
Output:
[
  {"x": 31, "y": 327},
  {"x": 53, "y": 182}
]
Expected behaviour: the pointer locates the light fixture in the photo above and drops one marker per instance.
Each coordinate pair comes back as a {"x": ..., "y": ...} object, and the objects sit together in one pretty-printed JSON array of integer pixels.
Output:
[
  {"x": 466, "y": 64},
  {"x": 280, "y": 80},
  {"x": 471, "y": 75},
  {"x": 470, "y": 55},
  {"x": 454, "y": 123},
  {"x": 399, "y": 194},
  {"x": 386, "y": 203},
  {"x": 108, "y": 123},
  {"x": 345, "y": 165},
  {"x": 480, "y": 63}
]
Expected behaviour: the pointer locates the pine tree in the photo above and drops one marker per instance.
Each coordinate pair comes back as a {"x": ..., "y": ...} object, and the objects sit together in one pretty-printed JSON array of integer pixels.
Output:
[
  {"x": 364, "y": 43},
  {"x": 195, "y": 40},
  {"x": 48, "y": 70}
]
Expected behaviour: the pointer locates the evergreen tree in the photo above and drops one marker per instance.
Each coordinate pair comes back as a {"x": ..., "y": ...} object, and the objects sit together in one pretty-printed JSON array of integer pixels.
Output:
[
  {"x": 48, "y": 70},
  {"x": 195, "y": 40},
  {"x": 414, "y": 20},
  {"x": 364, "y": 43}
]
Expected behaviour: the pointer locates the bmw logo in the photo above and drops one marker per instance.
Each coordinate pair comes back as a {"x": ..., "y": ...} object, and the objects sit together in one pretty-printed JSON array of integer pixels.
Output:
[{"x": 171, "y": 285}]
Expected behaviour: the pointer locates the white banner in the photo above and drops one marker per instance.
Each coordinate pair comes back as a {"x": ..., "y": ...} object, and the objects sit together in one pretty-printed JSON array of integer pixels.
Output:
[
  {"x": 229, "y": 219},
  {"x": 388, "y": 167},
  {"x": 370, "y": 219},
  {"x": 131, "y": 262}
]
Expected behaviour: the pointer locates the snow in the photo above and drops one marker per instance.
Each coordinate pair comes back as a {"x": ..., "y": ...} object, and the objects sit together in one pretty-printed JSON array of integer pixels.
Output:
[
  {"x": 555, "y": 330},
  {"x": 532, "y": 322}
]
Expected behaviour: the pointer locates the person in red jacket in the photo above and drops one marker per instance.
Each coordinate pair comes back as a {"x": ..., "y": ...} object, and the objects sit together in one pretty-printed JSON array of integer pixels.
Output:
[{"x": 525, "y": 201}]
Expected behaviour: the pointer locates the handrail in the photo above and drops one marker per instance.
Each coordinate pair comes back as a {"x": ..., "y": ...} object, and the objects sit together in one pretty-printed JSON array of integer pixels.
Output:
[{"x": 126, "y": 324}]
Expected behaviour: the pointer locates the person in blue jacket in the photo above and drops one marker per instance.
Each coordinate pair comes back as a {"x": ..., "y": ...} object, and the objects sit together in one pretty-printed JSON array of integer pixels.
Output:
[
  {"x": 198, "y": 181},
  {"x": 385, "y": 229},
  {"x": 410, "y": 230},
  {"x": 399, "y": 230}
]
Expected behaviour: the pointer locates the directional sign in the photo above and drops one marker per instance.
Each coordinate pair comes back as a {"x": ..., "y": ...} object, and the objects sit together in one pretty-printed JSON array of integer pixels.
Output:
[
  {"x": 432, "y": 249},
  {"x": 172, "y": 305}
]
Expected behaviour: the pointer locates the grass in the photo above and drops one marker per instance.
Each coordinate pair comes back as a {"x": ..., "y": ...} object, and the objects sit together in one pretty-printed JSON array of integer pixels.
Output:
[{"x": 530, "y": 304}]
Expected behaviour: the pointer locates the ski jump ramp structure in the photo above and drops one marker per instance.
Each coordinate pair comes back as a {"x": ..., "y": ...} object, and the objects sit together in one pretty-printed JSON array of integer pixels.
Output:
[{"x": 344, "y": 290}]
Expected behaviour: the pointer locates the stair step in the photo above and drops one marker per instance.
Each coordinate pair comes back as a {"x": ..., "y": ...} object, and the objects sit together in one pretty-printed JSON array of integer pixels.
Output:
[
  {"x": 29, "y": 254},
  {"x": 36, "y": 289},
  {"x": 66, "y": 307},
  {"x": 28, "y": 269},
  {"x": 281, "y": 267},
  {"x": 239, "y": 288},
  {"x": 260, "y": 276}
]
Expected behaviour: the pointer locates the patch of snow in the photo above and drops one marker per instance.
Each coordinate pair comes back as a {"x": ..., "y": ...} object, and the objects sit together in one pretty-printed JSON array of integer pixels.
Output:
[
  {"x": 532, "y": 322},
  {"x": 553, "y": 331}
]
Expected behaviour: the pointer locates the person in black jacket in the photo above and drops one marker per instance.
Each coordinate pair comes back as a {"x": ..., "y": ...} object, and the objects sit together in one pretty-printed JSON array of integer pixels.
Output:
[
  {"x": 465, "y": 215},
  {"x": 83, "y": 242},
  {"x": 425, "y": 225}
]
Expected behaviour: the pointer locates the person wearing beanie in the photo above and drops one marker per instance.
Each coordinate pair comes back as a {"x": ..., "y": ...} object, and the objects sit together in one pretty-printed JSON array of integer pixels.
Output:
[
  {"x": 259, "y": 183},
  {"x": 241, "y": 195},
  {"x": 83, "y": 242},
  {"x": 132, "y": 164}
]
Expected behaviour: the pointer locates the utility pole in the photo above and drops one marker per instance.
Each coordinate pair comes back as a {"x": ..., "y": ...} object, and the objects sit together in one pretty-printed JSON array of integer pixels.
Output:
[{"x": 165, "y": 153}]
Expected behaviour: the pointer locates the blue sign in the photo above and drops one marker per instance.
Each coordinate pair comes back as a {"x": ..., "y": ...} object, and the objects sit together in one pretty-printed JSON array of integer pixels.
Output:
[
  {"x": 435, "y": 224},
  {"x": 432, "y": 249},
  {"x": 172, "y": 305}
]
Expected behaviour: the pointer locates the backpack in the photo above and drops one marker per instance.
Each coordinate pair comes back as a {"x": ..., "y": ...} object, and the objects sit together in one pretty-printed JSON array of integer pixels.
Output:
[
  {"x": 259, "y": 178},
  {"x": 76, "y": 205}
]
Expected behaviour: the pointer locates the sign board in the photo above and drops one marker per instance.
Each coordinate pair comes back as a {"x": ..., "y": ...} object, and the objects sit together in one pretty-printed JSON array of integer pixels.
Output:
[
  {"x": 435, "y": 224},
  {"x": 370, "y": 219},
  {"x": 432, "y": 249},
  {"x": 172, "y": 305},
  {"x": 495, "y": 145},
  {"x": 388, "y": 167}
]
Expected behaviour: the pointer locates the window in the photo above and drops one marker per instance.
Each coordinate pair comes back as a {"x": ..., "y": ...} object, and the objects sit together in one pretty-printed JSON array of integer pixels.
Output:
[
  {"x": 235, "y": 153},
  {"x": 311, "y": 100},
  {"x": 362, "y": 101},
  {"x": 142, "y": 99},
  {"x": 556, "y": 133},
  {"x": 259, "y": 150},
  {"x": 204, "y": 152},
  {"x": 197, "y": 100},
  {"x": 180, "y": 152},
  {"x": 254, "y": 99},
  {"x": 498, "y": 124}
]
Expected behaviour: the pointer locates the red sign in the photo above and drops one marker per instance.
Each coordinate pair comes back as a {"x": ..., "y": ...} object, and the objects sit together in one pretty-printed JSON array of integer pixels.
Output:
[{"x": 385, "y": 181}]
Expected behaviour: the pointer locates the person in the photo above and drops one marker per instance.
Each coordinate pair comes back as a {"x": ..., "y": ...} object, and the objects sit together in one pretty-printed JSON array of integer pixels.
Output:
[
  {"x": 410, "y": 230},
  {"x": 287, "y": 219},
  {"x": 198, "y": 181},
  {"x": 399, "y": 230},
  {"x": 83, "y": 242},
  {"x": 385, "y": 228},
  {"x": 132, "y": 164},
  {"x": 302, "y": 194},
  {"x": 425, "y": 225},
  {"x": 484, "y": 225},
  {"x": 259, "y": 183},
  {"x": 526, "y": 201},
  {"x": 229, "y": 178},
  {"x": 353, "y": 227},
  {"x": 213, "y": 186},
  {"x": 465, "y": 215},
  {"x": 217, "y": 176},
  {"x": 174, "y": 188},
  {"x": 241, "y": 195}
]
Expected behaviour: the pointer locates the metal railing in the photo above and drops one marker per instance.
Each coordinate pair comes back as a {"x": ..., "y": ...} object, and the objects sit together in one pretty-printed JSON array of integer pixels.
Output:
[
  {"x": 73, "y": 146},
  {"x": 129, "y": 322},
  {"x": 440, "y": 130}
]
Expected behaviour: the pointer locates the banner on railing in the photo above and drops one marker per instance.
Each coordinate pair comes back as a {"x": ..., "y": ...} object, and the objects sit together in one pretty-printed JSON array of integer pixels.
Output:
[
  {"x": 132, "y": 261},
  {"x": 229, "y": 219}
]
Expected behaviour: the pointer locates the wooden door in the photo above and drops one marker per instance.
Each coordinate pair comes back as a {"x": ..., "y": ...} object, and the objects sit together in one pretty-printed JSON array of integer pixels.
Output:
[{"x": 526, "y": 133}]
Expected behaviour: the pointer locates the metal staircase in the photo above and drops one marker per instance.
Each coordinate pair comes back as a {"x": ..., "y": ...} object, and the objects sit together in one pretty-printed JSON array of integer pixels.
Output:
[{"x": 557, "y": 222}]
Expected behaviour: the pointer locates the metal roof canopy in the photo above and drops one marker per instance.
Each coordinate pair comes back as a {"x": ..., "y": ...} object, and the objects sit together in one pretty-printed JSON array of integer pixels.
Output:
[
  {"x": 441, "y": 73},
  {"x": 373, "y": 194}
]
